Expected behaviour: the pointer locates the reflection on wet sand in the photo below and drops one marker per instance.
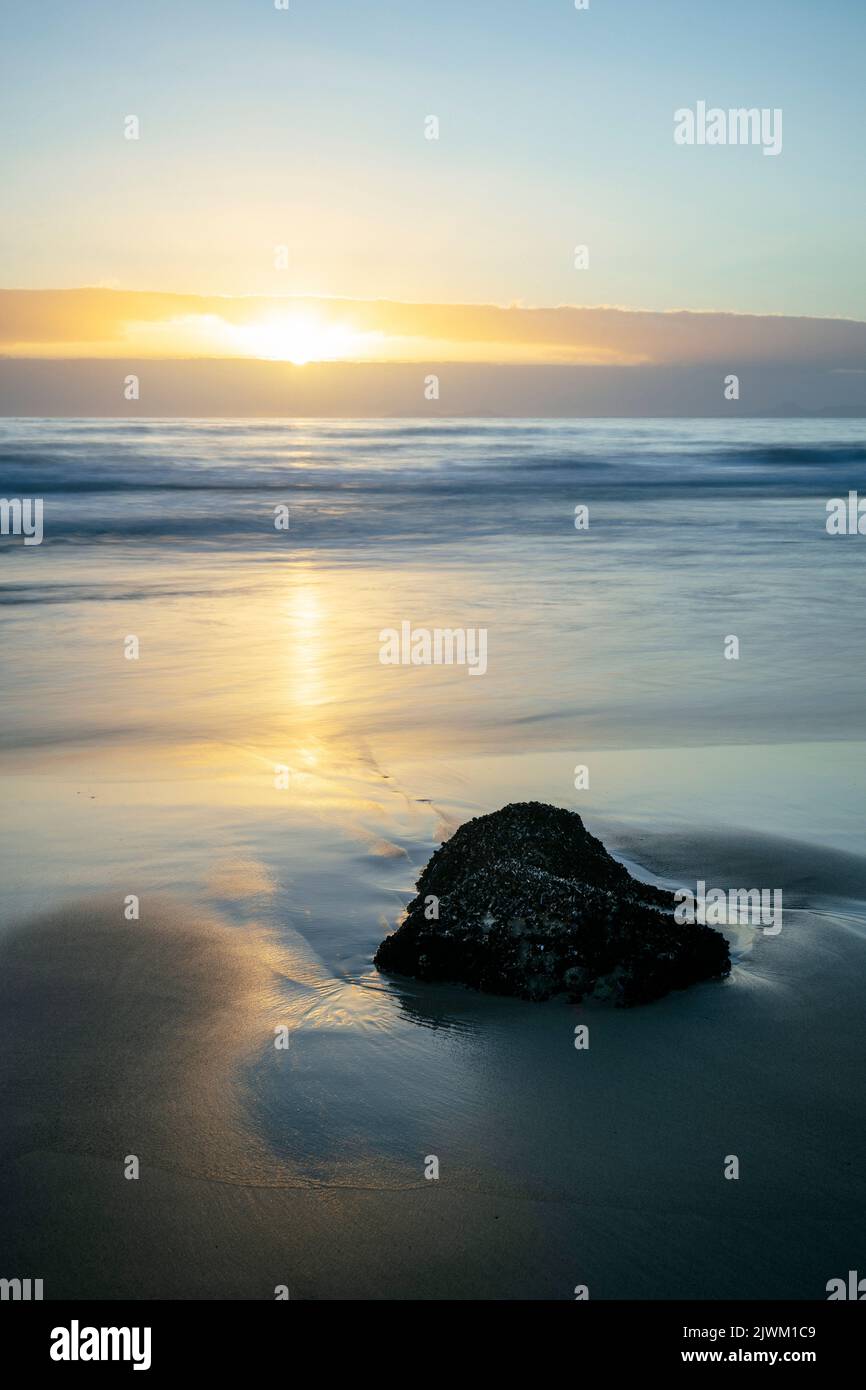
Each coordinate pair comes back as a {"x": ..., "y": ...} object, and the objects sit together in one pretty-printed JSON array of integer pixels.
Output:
[
  {"x": 125, "y": 1036},
  {"x": 262, "y": 902}
]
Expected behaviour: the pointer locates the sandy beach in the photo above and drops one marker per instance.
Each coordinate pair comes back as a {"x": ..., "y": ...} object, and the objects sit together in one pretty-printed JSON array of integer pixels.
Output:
[
  {"x": 261, "y": 907},
  {"x": 305, "y": 1168}
]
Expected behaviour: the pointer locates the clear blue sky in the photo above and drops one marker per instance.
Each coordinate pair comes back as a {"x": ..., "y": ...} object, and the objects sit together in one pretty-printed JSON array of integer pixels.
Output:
[{"x": 305, "y": 128}]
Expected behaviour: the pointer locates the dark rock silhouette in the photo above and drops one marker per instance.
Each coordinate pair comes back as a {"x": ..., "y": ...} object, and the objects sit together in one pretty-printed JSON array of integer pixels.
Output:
[{"x": 531, "y": 904}]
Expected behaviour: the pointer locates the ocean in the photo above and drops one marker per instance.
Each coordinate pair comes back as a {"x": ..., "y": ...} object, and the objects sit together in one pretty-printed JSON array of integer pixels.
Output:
[{"x": 217, "y": 798}]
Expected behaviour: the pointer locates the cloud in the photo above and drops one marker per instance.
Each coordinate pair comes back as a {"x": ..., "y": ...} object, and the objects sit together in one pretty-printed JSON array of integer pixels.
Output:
[
  {"x": 236, "y": 388},
  {"x": 102, "y": 322}
]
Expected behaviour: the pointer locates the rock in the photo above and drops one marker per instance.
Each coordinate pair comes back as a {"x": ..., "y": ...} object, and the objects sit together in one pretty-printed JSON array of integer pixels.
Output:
[{"x": 530, "y": 904}]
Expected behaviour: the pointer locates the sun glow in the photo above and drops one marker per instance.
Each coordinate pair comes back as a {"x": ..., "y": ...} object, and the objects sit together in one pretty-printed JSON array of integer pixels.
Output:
[{"x": 297, "y": 338}]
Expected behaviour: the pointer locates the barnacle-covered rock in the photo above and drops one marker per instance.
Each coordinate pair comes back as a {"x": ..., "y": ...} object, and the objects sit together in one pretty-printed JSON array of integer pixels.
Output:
[{"x": 530, "y": 904}]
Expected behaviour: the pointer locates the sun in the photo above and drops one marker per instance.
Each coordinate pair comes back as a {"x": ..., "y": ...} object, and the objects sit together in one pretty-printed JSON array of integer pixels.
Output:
[{"x": 296, "y": 338}]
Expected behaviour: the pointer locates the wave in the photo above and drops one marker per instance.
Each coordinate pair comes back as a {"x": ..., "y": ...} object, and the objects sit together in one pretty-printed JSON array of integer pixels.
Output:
[{"x": 394, "y": 483}]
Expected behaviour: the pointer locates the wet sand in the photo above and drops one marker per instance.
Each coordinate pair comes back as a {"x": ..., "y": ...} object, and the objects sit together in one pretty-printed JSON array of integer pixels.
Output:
[
  {"x": 305, "y": 1168},
  {"x": 263, "y": 907}
]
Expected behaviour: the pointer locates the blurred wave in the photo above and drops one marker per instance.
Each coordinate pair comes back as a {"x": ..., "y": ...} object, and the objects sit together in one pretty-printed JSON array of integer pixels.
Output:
[{"x": 200, "y": 484}]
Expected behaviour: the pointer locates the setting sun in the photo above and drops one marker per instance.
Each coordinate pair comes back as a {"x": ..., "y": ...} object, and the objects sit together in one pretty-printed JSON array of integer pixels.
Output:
[{"x": 297, "y": 338}]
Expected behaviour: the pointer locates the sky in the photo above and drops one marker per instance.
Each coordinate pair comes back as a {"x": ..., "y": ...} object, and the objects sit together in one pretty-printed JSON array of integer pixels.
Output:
[{"x": 305, "y": 130}]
